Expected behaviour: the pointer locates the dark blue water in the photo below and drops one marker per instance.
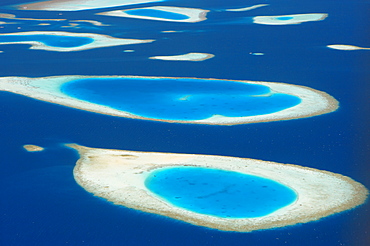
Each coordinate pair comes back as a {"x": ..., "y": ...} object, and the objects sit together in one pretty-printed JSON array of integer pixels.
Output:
[
  {"x": 219, "y": 193},
  {"x": 180, "y": 99},
  {"x": 50, "y": 40},
  {"x": 41, "y": 204},
  {"x": 157, "y": 14}
]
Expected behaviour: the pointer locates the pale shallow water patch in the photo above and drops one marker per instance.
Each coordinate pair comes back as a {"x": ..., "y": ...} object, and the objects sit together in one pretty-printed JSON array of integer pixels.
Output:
[
  {"x": 119, "y": 176},
  {"x": 288, "y": 19},
  {"x": 312, "y": 102}
]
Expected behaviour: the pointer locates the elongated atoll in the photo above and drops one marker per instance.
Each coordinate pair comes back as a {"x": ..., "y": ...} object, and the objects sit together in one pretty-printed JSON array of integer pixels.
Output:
[
  {"x": 346, "y": 47},
  {"x": 161, "y": 13},
  {"x": 193, "y": 56},
  {"x": 74, "y": 5},
  {"x": 213, "y": 106},
  {"x": 14, "y": 17},
  {"x": 288, "y": 19},
  {"x": 120, "y": 175},
  {"x": 96, "y": 40}
]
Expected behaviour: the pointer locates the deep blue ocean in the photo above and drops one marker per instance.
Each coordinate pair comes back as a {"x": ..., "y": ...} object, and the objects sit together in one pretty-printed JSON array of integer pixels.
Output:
[{"x": 41, "y": 204}]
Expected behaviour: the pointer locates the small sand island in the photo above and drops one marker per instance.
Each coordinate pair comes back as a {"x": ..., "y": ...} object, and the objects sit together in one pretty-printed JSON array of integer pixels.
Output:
[
  {"x": 288, "y": 19},
  {"x": 32, "y": 148},
  {"x": 185, "y": 57},
  {"x": 346, "y": 47},
  {"x": 121, "y": 177},
  {"x": 74, "y": 5},
  {"x": 65, "y": 41},
  {"x": 162, "y": 13},
  {"x": 206, "y": 101}
]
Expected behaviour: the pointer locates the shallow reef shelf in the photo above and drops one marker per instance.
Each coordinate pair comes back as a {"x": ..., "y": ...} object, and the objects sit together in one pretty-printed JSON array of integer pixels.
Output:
[
  {"x": 176, "y": 100},
  {"x": 120, "y": 176}
]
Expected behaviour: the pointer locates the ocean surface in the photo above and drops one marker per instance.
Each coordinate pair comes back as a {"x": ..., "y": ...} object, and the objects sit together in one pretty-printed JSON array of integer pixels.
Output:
[
  {"x": 219, "y": 193},
  {"x": 180, "y": 99},
  {"x": 41, "y": 204}
]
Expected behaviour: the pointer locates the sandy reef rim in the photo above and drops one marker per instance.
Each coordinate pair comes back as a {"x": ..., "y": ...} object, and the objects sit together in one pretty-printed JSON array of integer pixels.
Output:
[
  {"x": 119, "y": 175},
  {"x": 313, "y": 102}
]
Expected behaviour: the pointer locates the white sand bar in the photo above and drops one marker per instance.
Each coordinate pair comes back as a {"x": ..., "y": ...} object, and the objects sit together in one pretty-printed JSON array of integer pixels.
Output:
[
  {"x": 99, "y": 41},
  {"x": 288, "y": 19},
  {"x": 247, "y": 8},
  {"x": 119, "y": 175},
  {"x": 185, "y": 57},
  {"x": 73, "y": 5},
  {"x": 194, "y": 15},
  {"x": 33, "y": 148},
  {"x": 346, "y": 47},
  {"x": 313, "y": 102}
]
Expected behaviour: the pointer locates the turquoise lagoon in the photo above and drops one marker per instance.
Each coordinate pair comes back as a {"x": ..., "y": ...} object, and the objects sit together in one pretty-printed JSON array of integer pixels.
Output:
[
  {"x": 180, "y": 99},
  {"x": 219, "y": 193},
  {"x": 285, "y": 18},
  {"x": 157, "y": 14},
  {"x": 50, "y": 40}
]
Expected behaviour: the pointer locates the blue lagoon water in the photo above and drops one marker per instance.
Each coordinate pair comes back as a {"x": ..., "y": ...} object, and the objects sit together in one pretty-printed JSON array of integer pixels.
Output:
[
  {"x": 41, "y": 204},
  {"x": 219, "y": 193},
  {"x": 180, "y": 99},
  {"x": 157, "y": 14},
  {"x": 50, "y": 40}
]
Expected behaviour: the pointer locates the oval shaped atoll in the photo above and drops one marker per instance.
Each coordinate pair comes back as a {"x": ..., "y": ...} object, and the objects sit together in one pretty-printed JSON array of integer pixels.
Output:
[
  {"x": 125, "y": 177},
  {"x": 65, "y": 41},
  {"x": 288, "y": 19},
  {"x": 177, "y": 100}
]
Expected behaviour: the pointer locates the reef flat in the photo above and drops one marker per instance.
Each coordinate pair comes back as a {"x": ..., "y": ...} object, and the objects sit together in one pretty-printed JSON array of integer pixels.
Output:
[
  {"x": 74, "y": 5},
  {"x": 185, "y": 57},
  {"x": 161, "y": 13},
  {"x": 97, "y": 40},
  {"x": 119, "y": 177},
  {"x": 312, "y": 102},
  {"x": 288, "y": 19}
]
